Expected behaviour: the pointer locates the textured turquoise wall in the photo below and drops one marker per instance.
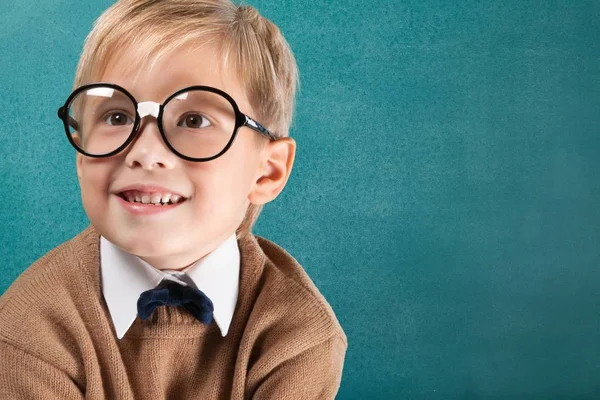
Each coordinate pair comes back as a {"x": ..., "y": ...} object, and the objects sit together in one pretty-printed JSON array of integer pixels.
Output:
[{"x": 445, "y": 192}]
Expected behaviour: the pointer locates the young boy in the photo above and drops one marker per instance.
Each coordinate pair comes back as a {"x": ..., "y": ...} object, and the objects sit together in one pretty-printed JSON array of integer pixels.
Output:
[{"x": 180, "y": 119}]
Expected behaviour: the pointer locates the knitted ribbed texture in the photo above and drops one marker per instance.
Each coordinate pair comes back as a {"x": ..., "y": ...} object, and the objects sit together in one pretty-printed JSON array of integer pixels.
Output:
[{"x": 57, "y": 340}]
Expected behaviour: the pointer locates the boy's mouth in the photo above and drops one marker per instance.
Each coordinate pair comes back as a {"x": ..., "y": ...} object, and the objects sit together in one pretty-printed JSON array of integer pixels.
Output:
[{"x": 151, "y": 198}]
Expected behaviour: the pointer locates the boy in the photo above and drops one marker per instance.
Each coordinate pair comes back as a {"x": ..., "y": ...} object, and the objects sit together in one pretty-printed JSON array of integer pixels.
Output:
[{"x": 180, "y": 117}]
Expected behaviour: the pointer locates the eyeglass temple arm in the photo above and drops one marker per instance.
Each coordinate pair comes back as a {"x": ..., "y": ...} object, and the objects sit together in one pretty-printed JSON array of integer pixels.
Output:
[
  {"x": 72, "y": 123},
  {"x": 250, "y": 123}
]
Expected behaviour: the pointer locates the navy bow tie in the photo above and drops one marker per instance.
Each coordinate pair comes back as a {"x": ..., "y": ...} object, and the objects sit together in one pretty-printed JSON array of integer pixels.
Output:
[{"x": 169, "y": 293}]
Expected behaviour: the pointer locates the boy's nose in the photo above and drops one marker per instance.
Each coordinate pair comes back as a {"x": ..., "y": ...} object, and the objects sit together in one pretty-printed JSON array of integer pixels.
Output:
[{"x": 148, "y": 149}]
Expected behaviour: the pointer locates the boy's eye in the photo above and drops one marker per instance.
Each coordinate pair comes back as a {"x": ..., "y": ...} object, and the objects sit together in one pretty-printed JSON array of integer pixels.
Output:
[
  {"x": 118, "y": 119},
  {"x": 194, "y": 121}
]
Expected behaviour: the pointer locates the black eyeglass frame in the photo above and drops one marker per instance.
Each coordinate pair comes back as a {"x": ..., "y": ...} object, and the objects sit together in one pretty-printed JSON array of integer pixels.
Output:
[{"x": 241, "y": 119}]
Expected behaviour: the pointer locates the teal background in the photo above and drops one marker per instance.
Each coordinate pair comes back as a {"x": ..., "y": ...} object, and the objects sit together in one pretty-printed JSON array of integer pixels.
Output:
[{"x": 445, "y": 192}]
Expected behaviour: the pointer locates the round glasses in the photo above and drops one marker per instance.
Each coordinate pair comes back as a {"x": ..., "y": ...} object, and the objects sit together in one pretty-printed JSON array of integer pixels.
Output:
[{"x": 198, "y": 123}]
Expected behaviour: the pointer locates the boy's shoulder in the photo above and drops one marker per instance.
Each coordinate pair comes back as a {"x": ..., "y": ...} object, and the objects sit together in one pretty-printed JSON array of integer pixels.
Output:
[
  {"x": 54, "y": 271},
  {"x": 46, "y": 270},
  {"x": 289, "y": 305},
  {"x": 49, "y": 292}
]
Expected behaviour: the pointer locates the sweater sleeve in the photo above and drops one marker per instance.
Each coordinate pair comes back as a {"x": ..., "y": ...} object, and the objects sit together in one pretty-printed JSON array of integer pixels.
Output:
[
  {"x": 23, "y": 376},
  {"x": 315, "y": 373}
]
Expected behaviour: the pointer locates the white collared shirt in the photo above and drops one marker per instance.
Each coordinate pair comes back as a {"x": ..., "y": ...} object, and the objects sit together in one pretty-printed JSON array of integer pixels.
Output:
[{"x": 125, "y": 276}]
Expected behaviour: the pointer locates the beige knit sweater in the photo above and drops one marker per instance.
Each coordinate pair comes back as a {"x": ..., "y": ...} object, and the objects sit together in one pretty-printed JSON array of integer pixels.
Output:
[{"x": 57, "y": 340}]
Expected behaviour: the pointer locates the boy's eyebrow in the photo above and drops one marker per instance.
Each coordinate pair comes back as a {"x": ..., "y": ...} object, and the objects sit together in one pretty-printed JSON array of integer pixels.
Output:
[{"x": 221, "y": 105}]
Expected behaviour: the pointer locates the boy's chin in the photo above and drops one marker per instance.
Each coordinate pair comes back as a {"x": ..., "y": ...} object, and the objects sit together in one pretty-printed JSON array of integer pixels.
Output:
[
  {"x": 145, "y": 244},
  {"x": 148, "y": 246}
]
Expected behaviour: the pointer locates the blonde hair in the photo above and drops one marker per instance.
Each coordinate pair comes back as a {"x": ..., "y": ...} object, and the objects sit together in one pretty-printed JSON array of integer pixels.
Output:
[{"x": 248, "y": 42}]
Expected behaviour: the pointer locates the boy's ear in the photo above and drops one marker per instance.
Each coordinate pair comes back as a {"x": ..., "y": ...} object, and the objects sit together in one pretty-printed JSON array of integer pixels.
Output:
[{"x": 277, "y": 159}]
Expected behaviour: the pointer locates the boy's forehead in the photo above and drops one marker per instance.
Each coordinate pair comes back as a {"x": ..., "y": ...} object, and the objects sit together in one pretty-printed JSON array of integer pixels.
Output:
[{"x": 164, "y": 73}]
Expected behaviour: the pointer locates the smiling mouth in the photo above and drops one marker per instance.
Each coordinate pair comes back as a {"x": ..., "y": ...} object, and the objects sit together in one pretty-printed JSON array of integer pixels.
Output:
[{"x": 155, "y": 198}]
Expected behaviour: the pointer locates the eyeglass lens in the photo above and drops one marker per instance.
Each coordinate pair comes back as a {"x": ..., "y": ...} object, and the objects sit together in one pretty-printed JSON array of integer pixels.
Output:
[{"x": 196, "y": 123}]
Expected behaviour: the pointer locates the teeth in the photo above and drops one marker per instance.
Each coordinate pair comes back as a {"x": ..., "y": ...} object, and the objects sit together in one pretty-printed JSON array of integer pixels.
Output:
[
  {"x": 158, "y": 199},
  {"x": 155, "y": 198}
]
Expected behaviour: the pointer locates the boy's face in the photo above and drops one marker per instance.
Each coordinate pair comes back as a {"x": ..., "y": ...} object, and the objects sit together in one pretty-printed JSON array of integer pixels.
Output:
[{"x": 217, "y": 193}]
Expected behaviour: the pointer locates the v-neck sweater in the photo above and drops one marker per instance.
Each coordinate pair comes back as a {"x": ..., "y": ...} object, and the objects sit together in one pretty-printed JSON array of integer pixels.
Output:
[{"x": 57, "y": 340}]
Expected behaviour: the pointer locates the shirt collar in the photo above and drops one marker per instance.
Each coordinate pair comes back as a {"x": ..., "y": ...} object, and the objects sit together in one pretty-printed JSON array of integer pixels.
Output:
[{"x": 125, "y": 276}]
